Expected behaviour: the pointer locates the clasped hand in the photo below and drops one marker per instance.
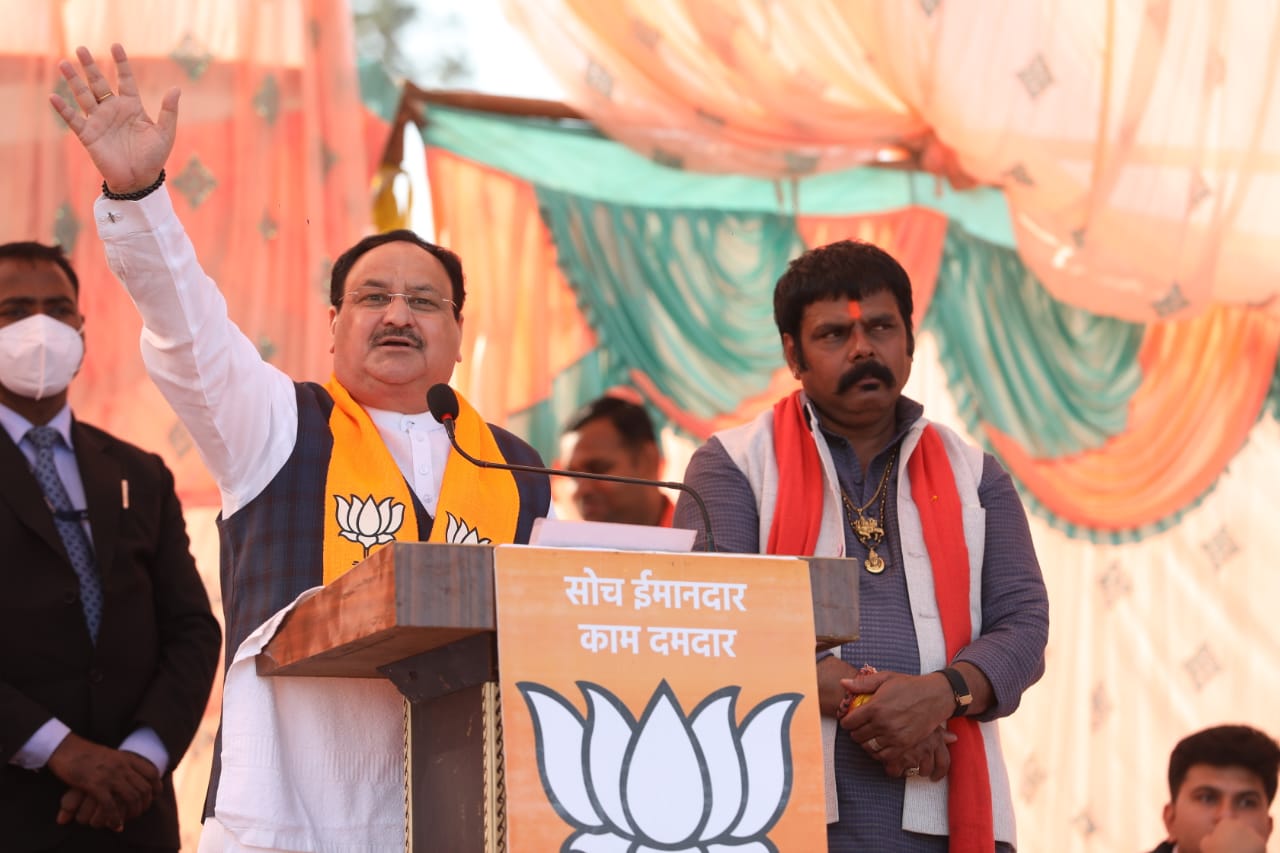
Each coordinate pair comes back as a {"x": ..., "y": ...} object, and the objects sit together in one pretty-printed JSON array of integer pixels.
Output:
[
  {"x": 106, "y": 786},
  {"x": 903, "y": 726}
]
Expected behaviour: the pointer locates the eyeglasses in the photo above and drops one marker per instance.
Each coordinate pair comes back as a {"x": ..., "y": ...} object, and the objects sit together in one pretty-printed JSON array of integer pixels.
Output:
[{"x": 377, "y": 299}]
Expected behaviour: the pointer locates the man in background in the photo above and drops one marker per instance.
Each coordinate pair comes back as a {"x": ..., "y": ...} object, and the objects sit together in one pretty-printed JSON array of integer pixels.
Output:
[
  {"x": 108, "y": 646},
  {"x": 611, "y": 435},
  {"x": 1222, "y": 781}
]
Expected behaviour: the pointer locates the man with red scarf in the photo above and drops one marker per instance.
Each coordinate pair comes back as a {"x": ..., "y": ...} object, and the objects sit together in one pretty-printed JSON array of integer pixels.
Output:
[{"x": 954, "y": 614}]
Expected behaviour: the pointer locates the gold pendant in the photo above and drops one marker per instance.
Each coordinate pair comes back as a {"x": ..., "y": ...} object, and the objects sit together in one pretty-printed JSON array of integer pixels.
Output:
[
  {"x": 867, "y": 528},
  {"x": 873, "y": 563}
]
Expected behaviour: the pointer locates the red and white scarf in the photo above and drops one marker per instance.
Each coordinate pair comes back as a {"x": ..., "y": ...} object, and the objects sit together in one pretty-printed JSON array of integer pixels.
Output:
[{"x": 933, "y": 490}]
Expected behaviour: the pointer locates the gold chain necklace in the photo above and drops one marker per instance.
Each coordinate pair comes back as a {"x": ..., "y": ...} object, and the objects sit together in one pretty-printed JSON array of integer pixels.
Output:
[{"x": 870, "y": 531}]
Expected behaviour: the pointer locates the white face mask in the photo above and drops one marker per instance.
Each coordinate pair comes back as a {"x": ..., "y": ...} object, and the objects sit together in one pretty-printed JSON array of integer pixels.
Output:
[{"x": 38, "y": 356}]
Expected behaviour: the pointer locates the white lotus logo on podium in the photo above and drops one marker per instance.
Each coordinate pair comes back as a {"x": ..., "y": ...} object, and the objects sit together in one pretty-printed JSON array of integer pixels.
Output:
[
  {"x": 667, "y": 783},
  {"x": 368, "y": 522}
]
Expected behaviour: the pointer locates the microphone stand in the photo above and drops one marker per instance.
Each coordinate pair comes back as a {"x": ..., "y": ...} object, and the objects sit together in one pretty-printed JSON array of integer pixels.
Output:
[{"x": 449, "y": 427}]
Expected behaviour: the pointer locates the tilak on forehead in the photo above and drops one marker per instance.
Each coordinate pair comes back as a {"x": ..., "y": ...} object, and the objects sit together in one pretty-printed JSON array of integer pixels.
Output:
[{"x": 855, "y": 310}]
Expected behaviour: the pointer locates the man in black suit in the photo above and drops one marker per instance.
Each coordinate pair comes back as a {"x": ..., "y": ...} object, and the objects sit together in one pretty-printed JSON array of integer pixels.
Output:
[{"x": 108, "y": 646}]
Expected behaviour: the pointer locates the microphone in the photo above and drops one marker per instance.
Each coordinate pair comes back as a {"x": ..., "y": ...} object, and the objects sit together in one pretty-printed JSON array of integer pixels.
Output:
[{"x": 442, "y": 401}]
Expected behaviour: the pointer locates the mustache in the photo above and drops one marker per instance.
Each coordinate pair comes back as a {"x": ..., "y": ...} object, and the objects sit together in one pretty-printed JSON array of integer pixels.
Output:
[
  {"x": 865, "y": 370},
  {"x": 404, "y": 332}
]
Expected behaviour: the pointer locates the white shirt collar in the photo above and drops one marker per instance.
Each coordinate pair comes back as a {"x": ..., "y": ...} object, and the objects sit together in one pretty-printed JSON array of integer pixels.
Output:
[{"x": 402, "y": 422}]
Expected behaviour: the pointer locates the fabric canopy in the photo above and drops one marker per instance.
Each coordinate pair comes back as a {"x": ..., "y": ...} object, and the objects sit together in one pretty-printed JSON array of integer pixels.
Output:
[
  {"x": 663, "y": 279},
  {"x": 1138, "y": 144}
]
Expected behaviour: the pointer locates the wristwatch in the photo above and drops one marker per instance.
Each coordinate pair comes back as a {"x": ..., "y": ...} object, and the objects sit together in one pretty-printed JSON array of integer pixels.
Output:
[{"x": 961, "y": 690}]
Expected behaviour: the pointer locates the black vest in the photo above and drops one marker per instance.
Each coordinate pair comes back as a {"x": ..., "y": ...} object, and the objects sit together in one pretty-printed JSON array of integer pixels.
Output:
[{"x": 272, "y": 549}]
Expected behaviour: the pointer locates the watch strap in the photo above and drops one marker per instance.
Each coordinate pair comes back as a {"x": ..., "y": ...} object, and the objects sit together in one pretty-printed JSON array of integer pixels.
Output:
[{"x": 960, "y": 689}]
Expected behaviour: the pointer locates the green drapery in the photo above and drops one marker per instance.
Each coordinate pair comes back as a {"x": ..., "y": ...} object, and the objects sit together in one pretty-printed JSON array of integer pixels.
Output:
[
  {"x": 592, "y": 375},
  {"x": 574, "y": 158},
  {"x": 684, "y": 296},
  {"x": 1058, "y": 379}
]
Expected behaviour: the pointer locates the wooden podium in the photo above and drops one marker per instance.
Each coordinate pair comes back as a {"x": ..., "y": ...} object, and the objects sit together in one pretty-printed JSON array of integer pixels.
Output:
[{"x": 422, "y": 615}]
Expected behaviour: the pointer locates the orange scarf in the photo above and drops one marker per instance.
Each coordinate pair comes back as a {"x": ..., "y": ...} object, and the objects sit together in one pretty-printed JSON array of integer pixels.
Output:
[
  {"x": 933, "y": 489},
  {"x": 799, "y": 471},
  {"x": 476, "y": 505},
  {"x": 371, "y": 503}
]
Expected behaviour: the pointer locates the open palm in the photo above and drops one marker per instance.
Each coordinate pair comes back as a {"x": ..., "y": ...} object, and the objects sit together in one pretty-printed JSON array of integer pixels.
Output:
[{"x": 127, "y": 146}]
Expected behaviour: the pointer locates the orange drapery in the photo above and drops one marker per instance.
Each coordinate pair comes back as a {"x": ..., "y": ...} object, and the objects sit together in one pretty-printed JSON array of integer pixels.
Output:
[
  {"x": 914, "y": 236},
  {"x": 1186, "y": 423},
  {"x": 521, "y": 324},
  {"x": 269, "y": 174}
]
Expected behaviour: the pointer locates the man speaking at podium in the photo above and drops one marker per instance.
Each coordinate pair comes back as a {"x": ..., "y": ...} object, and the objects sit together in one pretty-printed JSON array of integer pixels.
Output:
[
  {"x": 311, "y": 476},
  {"x": 954, "y": 616}
]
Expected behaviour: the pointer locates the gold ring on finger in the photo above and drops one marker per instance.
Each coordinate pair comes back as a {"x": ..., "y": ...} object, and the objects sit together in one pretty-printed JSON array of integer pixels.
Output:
[{"x": 103, "y": 97}]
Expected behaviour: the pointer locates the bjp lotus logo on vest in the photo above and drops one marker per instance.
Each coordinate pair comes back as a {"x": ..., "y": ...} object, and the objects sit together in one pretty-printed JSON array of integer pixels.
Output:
[
  {"x": 460, "y": 533},
  {"x": 696, "y": 784},
  {"x": 369, "y": 522}
]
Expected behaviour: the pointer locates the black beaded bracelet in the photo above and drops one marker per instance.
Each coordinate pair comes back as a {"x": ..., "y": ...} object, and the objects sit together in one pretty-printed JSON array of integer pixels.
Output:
[{"x": 136, "y": 195}]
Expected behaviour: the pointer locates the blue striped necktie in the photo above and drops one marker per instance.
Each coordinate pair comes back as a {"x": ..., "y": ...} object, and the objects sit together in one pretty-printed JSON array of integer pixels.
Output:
[{"x": 70, "y": 528}]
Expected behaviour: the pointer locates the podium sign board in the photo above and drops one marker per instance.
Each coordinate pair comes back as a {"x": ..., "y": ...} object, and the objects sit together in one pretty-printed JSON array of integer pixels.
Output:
[
  {"x": 423, "y": 616},
  {"x": 658, "y": 701}
]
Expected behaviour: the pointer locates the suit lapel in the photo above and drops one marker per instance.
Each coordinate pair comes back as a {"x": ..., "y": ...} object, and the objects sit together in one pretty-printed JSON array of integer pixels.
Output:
[
  {"x": 102, "y": 476},
  {"x": 18, "y": 488}
]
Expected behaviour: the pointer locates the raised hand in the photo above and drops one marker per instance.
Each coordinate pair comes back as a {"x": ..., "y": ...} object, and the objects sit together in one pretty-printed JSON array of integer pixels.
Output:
[{"x": 128, "y": 148}]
